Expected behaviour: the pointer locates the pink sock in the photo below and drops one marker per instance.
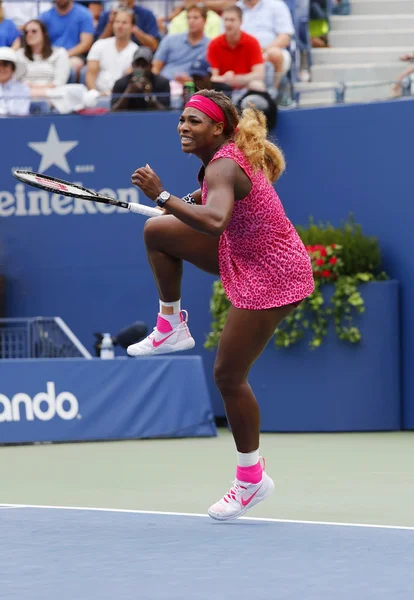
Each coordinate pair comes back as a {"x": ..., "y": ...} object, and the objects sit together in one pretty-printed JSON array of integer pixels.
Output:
[
  {"x": 163, "y": 325},
  {"x": 252, "y": 474}
]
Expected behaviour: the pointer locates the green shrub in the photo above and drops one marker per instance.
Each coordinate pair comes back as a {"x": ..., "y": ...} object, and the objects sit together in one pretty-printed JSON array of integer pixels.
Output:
[{"x": 358, "y": 261}]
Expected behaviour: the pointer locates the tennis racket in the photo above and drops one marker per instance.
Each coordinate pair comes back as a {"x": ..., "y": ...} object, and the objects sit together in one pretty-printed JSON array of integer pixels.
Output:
[{"x": 65, "y": 188}]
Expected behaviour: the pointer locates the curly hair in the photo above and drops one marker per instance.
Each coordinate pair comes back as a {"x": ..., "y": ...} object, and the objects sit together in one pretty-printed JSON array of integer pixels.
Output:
[{"x": 249, "y": 132}]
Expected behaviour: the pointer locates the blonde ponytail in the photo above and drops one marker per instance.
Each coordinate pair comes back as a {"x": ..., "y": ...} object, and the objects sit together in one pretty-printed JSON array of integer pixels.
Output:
[
  {"x": 1, "y": 13},
  {"x": 249, "y": 133},
  {"x": 251, "y": 139}
]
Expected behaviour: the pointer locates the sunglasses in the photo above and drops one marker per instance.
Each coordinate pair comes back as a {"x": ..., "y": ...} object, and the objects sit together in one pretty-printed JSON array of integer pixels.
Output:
[{"x": 6, "y": 63}]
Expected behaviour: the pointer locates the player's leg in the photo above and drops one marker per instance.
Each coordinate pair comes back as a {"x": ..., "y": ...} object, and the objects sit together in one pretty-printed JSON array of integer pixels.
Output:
[
  {"x": 168, "y": 242},
  {"x": 244, "y": 337}
]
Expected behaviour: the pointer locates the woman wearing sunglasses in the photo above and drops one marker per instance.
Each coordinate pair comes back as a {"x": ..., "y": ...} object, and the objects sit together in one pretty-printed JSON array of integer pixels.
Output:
[{"x": 47, "y": 66}]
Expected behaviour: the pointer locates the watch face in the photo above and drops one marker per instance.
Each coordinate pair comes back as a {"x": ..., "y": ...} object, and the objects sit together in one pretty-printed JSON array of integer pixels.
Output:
[{"x": 164, "y": 195}]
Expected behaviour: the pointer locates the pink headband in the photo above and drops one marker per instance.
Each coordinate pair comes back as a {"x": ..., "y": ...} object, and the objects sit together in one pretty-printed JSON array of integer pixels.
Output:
[{"x": 208, "y": 107}]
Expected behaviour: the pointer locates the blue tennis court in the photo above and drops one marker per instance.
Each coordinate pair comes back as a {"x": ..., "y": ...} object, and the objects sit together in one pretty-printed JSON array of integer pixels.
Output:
[{"x": 81, "y": 553}]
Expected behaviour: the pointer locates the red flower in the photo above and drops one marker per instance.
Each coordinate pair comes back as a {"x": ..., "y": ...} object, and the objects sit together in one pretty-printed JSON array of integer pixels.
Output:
[
  {"x": 323, "y": 251},
  {"x": 333, "y": 245},
  {"x": 320, "y": 262},
  {"x": 333, "y": 260},
  {"x": 326, "y": 273}
]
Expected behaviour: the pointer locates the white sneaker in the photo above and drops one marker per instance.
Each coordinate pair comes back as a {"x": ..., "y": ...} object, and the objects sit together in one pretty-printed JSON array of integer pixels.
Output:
[
  {"x": 240, "y": 498},
  {"x": 165, "y": 338}
]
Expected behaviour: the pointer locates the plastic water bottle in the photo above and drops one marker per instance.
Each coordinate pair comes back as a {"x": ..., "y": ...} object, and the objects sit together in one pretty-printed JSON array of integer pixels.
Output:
[{"x": 107, "y": 347}]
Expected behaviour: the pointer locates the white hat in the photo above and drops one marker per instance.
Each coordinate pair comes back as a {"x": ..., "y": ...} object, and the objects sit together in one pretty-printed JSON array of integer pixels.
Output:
[{"x": 9, "y": 54}]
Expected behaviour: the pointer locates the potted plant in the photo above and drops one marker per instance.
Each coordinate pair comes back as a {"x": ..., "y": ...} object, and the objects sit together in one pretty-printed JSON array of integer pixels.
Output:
[{"x": 333, "y": 364}]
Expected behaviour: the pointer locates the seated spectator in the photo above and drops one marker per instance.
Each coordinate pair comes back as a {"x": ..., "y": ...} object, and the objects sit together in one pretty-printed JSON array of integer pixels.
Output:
[
  {"x": 407, "y": 57},
  {"x": 341, "y": 7},
  {"x": 141, "y": 81},
  {"x": 200, "y": 71},
  {"x": 109, "y": 59},
  {"x": 318, "y": 23},
  {"x": 235, "y": 56},
  {"x": 96, "y": 9},
  {"x": 408, "y": 73},
  {"x": 46, "y": 65},
  {"x": 14, "y": 95},
  {"x": 270, "y": 22},
  {"x": 176, "y": 53},
  {"x": 145, "y": 31},
  {"x": 201, "y": 74},
  {"x": 70, "y": 26},
  {"x": 8, "y": 30},
  {"x": 179, "y": 24},
  {"x": 215, "y": 5}
]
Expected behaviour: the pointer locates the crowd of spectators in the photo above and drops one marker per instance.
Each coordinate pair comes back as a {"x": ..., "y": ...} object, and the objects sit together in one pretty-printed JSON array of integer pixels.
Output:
[{"x": 123, "y": 49}]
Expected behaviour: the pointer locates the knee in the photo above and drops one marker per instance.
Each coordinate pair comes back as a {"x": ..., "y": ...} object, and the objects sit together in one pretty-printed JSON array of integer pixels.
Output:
[
  {"x": 227, "y": 379},
  {"x": 257, "y": 86},
  {"x": 152, "y": 232},
  {"x": 274, "y": 53},
  {"x": 275, "y": 56}
]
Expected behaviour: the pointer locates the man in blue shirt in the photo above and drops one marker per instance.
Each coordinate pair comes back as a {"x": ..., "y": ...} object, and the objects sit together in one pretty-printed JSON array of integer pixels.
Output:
[
  {"x": 8, "y": 31},
  {"x": 145, "y": 31},
  {"x": 70, "y": 26},
  {"x": 176, "y": 53}
]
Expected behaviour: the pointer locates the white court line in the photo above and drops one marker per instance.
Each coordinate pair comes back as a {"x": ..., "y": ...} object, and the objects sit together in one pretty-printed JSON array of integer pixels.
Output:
[{"x": 184, "y": 514}]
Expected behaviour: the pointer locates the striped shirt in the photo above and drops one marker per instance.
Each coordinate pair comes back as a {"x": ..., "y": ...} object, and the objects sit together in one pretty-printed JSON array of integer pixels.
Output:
[{"x": 43, "y": 71}]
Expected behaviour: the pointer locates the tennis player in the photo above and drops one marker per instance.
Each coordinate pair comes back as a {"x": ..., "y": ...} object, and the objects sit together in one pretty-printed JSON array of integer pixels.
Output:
[{"x": 236, "y": 228}]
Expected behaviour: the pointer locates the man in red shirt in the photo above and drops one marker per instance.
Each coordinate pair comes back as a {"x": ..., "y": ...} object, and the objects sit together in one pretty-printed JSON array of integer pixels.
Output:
[{"x": 235, "y": 56}]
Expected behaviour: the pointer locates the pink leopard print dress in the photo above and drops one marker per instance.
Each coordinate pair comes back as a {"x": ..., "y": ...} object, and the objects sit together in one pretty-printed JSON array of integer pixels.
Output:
[{"x": 263, "y": 262}]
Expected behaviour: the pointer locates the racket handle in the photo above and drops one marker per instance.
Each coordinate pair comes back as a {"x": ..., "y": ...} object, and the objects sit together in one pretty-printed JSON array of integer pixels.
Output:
[{"x": 142, "y": 209}]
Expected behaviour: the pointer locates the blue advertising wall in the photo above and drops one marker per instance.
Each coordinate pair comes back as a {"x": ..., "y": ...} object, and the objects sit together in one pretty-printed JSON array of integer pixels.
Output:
[
  {"x": 60, "y": 400},
  {"x": 87, "y": 264}
]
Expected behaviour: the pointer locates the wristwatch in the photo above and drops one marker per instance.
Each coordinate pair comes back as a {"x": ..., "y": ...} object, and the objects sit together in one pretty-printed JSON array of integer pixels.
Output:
[{"x": 163, "y": 198}]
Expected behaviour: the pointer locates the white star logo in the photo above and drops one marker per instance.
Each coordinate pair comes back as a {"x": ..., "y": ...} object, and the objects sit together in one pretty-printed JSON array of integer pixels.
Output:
[{"x": 53, "y": 151}]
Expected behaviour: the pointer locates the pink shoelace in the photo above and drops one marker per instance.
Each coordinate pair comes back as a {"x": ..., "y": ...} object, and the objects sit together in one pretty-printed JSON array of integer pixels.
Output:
[{"x": 235, "y": 490}]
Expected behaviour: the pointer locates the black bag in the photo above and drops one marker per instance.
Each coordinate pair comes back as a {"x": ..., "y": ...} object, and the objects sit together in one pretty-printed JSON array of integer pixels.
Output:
[{"x": 262, "y": 101}]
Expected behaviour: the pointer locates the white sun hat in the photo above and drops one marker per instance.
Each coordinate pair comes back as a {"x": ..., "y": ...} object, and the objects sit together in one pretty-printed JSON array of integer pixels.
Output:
[{"x": 9, "y": 54}]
